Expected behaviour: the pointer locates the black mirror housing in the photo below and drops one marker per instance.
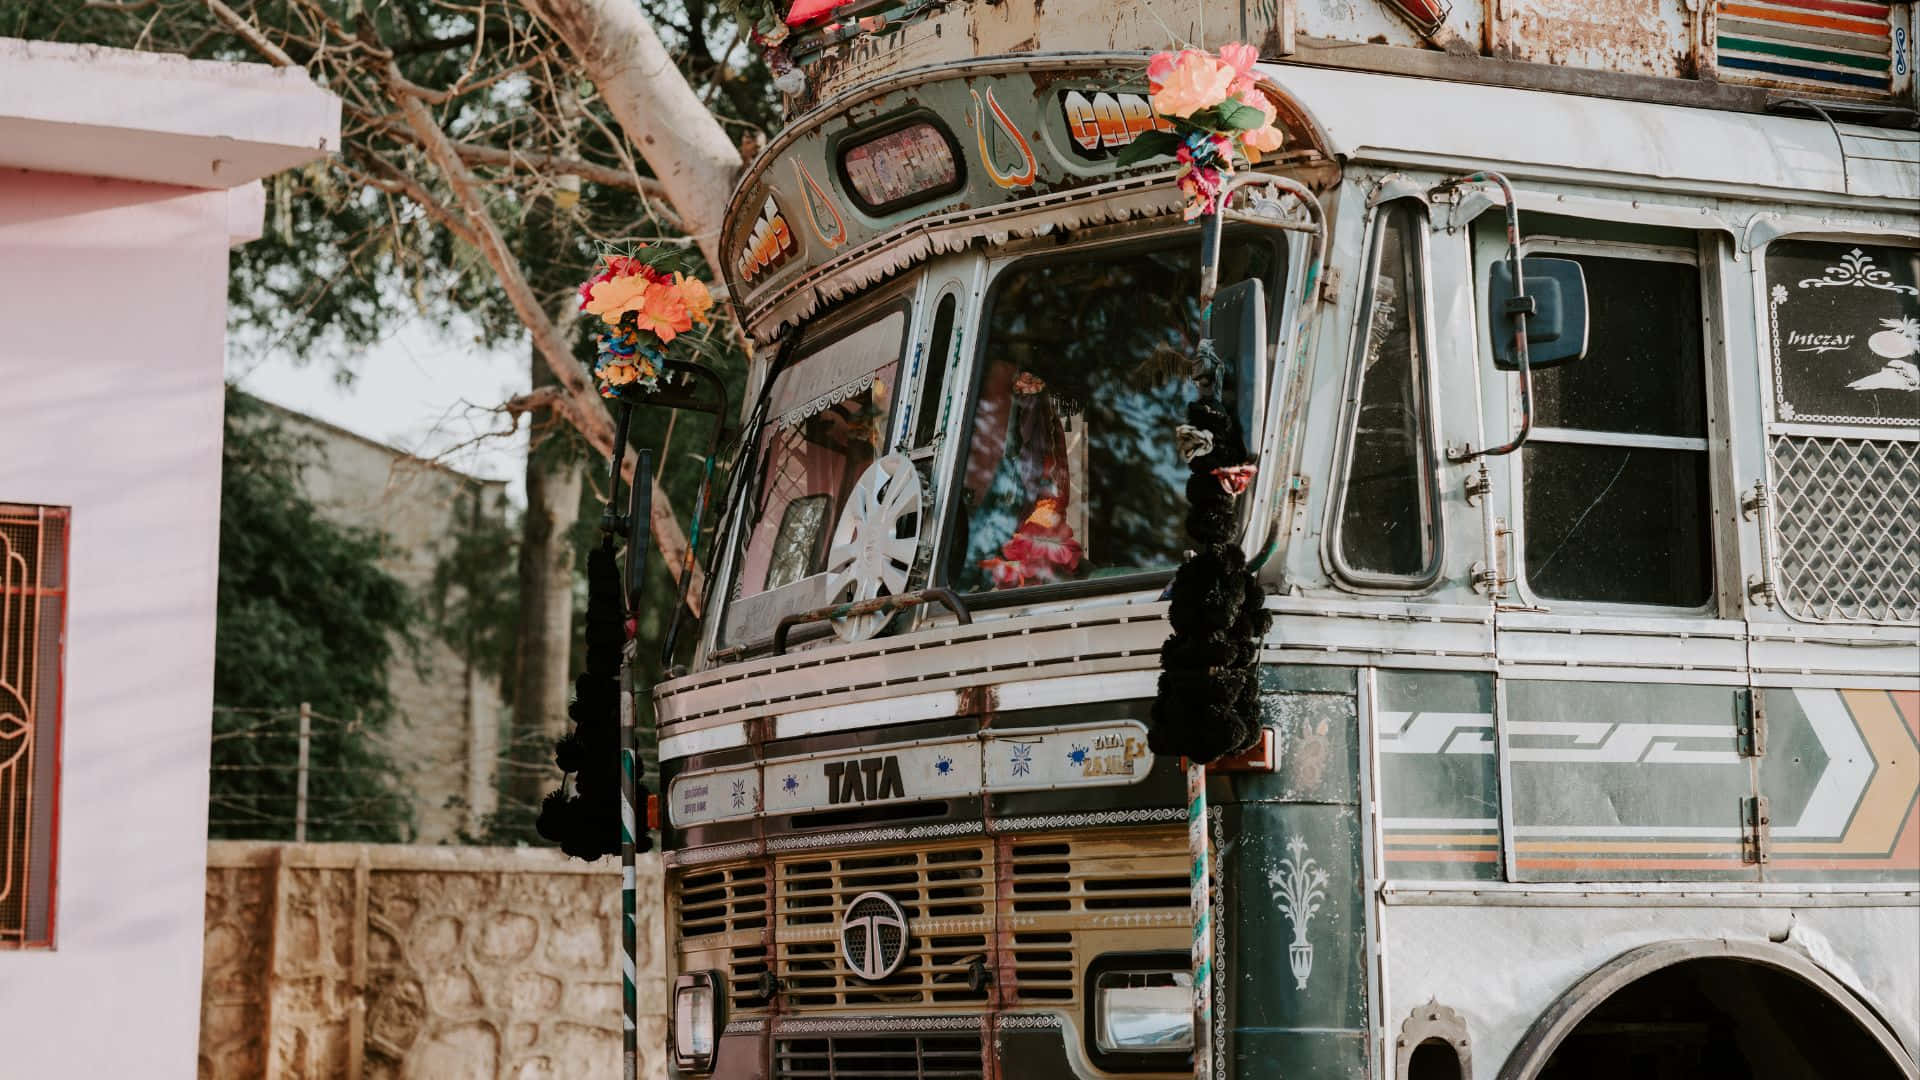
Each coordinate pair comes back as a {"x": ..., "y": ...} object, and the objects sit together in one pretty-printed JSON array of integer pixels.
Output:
[
  {"x": 1240, "y": 338},
  {"x": 1556, "y": 316}
]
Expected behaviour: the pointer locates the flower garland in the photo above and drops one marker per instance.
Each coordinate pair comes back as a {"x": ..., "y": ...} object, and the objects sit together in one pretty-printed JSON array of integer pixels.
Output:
[
  {"x": 645, "y": 306},
  {"x": 1216, "y": 113}
]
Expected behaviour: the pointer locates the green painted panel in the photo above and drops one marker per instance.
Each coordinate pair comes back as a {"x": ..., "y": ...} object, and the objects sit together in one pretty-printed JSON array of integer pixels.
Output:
[
  {"x": 1626, "y": 781},
  {"x": 1315, "y": 737},
  {"x": 1293, "y": 961},
  {"x": 1841, "y": 773},
  {"x": 1439, "y": 775}
]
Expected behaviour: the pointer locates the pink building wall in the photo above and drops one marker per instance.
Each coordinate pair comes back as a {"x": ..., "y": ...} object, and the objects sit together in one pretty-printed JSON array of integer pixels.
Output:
[{"x": 112, "y": 331}]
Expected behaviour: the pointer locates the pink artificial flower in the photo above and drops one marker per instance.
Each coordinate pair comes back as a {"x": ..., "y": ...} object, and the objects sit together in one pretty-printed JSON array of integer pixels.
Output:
[
  {"x": 1187, "y": 83},
  {"x": 1266, "y": 138},
  {"x": 1202, "y": 186},
  {"x": 1240, "y": 58}
]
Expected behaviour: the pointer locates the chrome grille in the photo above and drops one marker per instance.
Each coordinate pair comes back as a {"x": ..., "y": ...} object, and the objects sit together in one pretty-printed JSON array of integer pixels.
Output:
[
  {"x": 879, "y": 1057},
  {"x": 1847, "y": 528}
]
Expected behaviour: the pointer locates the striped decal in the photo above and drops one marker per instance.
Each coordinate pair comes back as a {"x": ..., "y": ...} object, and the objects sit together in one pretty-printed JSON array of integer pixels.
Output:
[
  {"x": 1816, "y": 44},
  {"x": 1200, "y": 896}
]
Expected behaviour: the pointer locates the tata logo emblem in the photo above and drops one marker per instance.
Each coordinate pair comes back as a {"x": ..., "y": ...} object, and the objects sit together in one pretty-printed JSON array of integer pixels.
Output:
[
  {"x": 864, "y": 780},
  {"x": 873, "y": 936}
]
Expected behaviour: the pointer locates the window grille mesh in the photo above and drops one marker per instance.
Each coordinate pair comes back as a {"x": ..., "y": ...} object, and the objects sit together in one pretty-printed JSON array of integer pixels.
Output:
[
  {"x": 32, "y": 609},
  {"x": 1847, "y": 528}
]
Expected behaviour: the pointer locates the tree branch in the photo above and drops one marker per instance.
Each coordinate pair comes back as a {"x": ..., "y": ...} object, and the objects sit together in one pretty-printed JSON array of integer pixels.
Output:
[
  {"x": 250, "y": 34},
  {"x": 579, "y": 404},
  {"x": 475, "y": 154}
]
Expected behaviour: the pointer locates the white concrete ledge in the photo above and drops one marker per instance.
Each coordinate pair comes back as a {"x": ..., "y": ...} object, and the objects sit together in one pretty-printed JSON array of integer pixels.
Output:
[{"x": 94, "y": 111}]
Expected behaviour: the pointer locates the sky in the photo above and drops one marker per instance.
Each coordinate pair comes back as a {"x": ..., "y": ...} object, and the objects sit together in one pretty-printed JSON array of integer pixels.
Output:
[{"x": 421, "y": 390}]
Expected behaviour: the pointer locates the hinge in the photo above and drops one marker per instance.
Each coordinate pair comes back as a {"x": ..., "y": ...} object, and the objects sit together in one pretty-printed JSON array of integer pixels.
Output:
[
  {"x": 1760, "y": 591},
  {"x": 1756, "y": 830},
  {"x": 1755, "y": 501},
  {"x": 1753, "y": 726},
  {"x": 1478, "y": 483},
  {"x": 1298, "y": 487}
]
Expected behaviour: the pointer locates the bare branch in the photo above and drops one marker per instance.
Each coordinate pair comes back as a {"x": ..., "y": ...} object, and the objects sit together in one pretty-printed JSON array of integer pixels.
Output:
[
  {"x": 250, "y": 34},
  {"x": 475, "y": 154},
  {"x": 580, "y": 405}
]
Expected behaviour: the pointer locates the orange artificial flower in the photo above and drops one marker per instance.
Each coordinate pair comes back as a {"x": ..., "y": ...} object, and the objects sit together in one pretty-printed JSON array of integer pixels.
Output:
[
  {"x": 616, "y": 296},
  {"x": 694, "y": 294},
  {"x": 663, "y": 311}
]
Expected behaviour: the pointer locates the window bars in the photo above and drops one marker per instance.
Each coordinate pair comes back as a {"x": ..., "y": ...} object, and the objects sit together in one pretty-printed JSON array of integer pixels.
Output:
[{"x": 33, "y": 594}]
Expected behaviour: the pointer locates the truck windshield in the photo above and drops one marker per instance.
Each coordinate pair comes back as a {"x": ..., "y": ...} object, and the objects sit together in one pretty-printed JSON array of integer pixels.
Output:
[
  {"x": 827, "y": 419},
  {"x": 1070, "y": 471}
]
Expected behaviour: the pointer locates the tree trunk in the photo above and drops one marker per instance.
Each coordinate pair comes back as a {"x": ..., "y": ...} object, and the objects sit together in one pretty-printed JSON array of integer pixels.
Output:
[
  {"x": 543, "y": 646},
  {"x": 659, "y": 113}
]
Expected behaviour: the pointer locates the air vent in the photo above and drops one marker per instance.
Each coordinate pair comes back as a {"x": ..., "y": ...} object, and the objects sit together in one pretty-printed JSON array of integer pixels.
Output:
[
  {"x": 727, "y": 908},
  {"x": 879, "y": 1057}
]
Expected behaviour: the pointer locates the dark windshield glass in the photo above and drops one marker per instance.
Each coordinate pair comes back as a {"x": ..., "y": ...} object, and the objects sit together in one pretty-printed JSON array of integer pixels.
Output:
[{"x": 1071, "y": 471}]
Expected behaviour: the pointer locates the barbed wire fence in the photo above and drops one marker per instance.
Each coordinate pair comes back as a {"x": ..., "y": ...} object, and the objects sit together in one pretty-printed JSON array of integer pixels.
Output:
[{"x": 298, "y": 774}]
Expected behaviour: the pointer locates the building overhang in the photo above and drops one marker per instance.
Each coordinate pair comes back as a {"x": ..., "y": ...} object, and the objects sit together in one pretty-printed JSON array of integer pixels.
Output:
[{"x": 89, "y": 110}]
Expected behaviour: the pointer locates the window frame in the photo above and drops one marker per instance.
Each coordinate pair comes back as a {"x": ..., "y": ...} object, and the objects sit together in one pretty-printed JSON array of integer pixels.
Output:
[
  {"x": 1352, "y": 385},
  {"x": 52, "y": 739},
  {"x": 1551, "y": 245},
  {"x": 953, "y": 478},
  {"x": 818, "y": 335}
]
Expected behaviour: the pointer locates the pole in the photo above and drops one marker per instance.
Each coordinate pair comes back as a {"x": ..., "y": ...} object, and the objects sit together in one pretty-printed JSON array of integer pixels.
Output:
[
  {"x": 1201, "y": 898},
  {"x": 630, "y": 823},
  {"x": 300, "y": 775}
]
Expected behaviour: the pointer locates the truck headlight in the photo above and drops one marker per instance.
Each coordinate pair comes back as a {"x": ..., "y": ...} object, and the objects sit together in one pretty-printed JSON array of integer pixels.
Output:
[
  {"x": 696, "y": 1020},
  {"x": 1142, "y": 1007}
]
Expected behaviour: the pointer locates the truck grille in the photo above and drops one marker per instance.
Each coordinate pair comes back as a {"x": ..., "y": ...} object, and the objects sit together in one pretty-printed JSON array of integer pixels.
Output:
[
  {"x": 727, "y": 909},
  {"x": 947, "y": 894},
  {"x": 1019, "y": 911},
  {"x": 879, "y": 1057}
]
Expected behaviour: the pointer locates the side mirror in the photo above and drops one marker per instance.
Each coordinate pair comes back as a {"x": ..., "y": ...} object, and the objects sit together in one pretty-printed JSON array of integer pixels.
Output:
[
  {"x": 1240, "y": 337},
  {"x": 1555, "y": 305}
]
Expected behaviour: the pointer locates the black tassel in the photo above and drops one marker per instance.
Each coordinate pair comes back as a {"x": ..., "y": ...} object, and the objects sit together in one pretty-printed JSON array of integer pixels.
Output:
[
  {"x": 1209, "y": 694},
  {"x": 586, "y": 824}
]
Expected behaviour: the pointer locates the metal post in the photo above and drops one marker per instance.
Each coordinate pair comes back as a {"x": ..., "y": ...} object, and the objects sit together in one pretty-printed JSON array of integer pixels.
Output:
[
  {"x": 1201, "y": 898},
  {"x": 300, "y": 775},
  {"x": 639, "y": 539}
]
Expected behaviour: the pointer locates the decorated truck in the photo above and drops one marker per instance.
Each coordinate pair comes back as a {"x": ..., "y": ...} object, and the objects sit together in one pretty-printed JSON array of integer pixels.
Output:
[{"x": 1571, "y": 354}]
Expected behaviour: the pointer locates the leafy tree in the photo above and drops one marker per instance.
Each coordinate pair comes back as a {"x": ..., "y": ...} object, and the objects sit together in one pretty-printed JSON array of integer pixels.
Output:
[{"x": 305, "y": 614}]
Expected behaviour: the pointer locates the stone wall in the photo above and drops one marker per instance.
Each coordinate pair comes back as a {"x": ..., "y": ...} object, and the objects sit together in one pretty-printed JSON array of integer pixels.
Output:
[{"x": 372, "y": 962}]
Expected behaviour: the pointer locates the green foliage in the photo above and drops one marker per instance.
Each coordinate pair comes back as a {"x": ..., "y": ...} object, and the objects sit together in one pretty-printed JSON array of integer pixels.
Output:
[{"x": 305, "y": 614}]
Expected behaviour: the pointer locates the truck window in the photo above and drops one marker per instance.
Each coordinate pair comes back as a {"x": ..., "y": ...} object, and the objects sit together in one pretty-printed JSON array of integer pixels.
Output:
[
  {"x": 1070, "y": 471},
  {"x": 1615, "y": 488},
  {"x": 828, "y": 416},
  {"x": 1844, "y": 464},
  {"x": 1387, "y": 516}
]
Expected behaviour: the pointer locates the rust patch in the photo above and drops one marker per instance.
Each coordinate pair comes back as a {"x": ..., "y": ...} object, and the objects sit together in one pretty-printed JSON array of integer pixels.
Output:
[{"x": 1005, "y": 974}]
